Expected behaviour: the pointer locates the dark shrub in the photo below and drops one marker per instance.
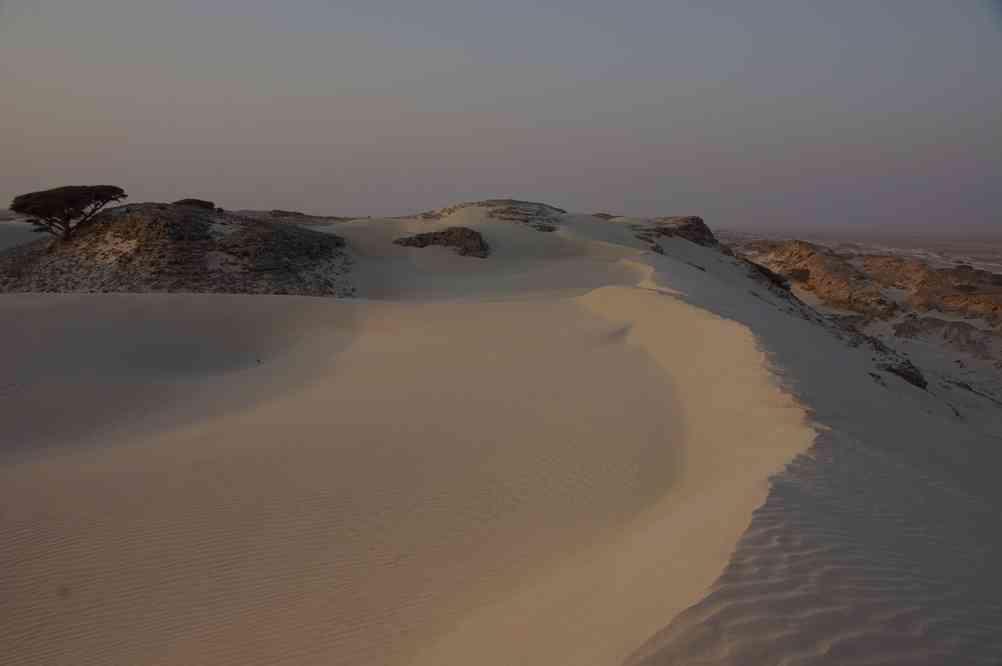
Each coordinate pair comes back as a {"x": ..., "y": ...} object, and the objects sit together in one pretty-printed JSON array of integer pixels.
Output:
[
  {"x": 61, "y": 210},
  {"x": 196, "y": 203}
]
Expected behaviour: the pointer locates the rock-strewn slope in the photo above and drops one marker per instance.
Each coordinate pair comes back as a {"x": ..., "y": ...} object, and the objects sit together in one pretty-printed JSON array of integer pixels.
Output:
[
  {"x": 962, "y": 289},
  {"x": 160, "y": 247},
  {"x": 829, "y": 276},
  {"x": 959, "y": 335},
  {"x": 539, "y": 216},
  {"x": 291, "y": 217},
  {"x": 468, "y": 242},
  {"x": 949, "y": 319},
  {"x": 855, "y": 281},
  {"x": 689, "y": 227}
]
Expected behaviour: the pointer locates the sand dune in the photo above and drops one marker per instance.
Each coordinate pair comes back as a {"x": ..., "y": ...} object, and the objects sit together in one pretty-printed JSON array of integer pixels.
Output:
[
  {"x": 873, "y": 547},
  {"x": 416, "y": 479},
  {"x": 540, "y": 457}
]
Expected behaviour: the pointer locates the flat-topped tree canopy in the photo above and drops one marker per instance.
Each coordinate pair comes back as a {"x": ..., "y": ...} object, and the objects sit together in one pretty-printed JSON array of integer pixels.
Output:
[{"x": 60, "y": 210}]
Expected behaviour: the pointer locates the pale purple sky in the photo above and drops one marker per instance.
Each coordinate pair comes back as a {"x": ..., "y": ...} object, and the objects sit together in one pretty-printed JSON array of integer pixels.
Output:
[{"x": 767, "y": 114}]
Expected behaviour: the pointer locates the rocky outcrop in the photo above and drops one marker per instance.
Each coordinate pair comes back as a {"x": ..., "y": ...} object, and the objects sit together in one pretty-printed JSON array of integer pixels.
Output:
[
  {"x": 180, "y": 248},
  {"x": 196, "y": 203},
  {"x": 830, "y": 277},
  {"x": 958, "y": 335},
  {"x": 853, "y": 279},
  {"x": 914, "y": 274},
  {"x": 961, "y": 289},
  {"x": 689, "y": 227},
  {"x": 761, "y": 274},
  {"x": 291, "y": 217},
  {"x": 907, "y": 371},
  {"x": 538, "y": 216},
  {"x": 467, "y": 242},
  {"x": 978, "y": 305}
]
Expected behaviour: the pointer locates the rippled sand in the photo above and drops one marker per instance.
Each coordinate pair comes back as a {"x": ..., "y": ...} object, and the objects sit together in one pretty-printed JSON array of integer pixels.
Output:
[{"x": 498, "y": 462}]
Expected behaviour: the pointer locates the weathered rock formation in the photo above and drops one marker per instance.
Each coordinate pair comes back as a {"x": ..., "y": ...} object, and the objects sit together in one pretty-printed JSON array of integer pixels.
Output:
[
  {"x": 179, "y": 248},
  {"x": 539, "y": 216},
  {"x": 958, "y": 335},
  {"x": 291, "y": 217},
  {"x": 689, "y": 227},
  {"x": 468, "y": 242},
  {"x": 896, "y": 298},
  {"x": 907, "y": 371},
  {"x": 962, "y": 289},
  {"x": 830, "y": 277},
  {"x": 197, "y": 203}
]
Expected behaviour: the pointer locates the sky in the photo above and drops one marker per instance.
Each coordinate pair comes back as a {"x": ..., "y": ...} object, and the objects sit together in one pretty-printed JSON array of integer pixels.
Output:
[{"x": 770, "y": 114}]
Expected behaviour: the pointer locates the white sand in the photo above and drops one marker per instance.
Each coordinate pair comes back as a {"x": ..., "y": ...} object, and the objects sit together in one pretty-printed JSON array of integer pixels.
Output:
[
  {"x": 537, "y": 458},
  {"x": 876, "y": 547}
]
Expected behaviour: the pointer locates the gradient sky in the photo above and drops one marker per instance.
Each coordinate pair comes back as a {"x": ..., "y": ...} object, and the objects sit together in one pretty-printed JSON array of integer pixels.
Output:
[{"x": 765, "y": 114}]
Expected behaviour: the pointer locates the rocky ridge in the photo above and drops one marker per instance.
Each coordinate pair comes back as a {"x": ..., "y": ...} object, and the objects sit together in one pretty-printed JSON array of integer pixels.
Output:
[
  {"x": 689, "y": 227},
  {"x": 950, "y": 317},
  {"x": 291, "y": 217},
  {"x": 830, "y": 277},
  {"x": 538, "y": 216},
  {"x": 466, "y": 241},
  {"x": 179, "y": 248},
  {"x": 962, "y": 289}
]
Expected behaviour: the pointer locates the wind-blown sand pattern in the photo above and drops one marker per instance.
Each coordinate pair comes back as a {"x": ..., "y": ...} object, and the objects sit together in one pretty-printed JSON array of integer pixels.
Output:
[
  {"x": 875, "y": 546},
  {"x": 855, "y": 558},
  {"x": 539, "y": 457}
]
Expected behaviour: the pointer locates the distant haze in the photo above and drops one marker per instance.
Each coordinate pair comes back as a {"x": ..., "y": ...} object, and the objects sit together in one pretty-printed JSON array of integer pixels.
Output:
[{"x": 763, "y": 114}]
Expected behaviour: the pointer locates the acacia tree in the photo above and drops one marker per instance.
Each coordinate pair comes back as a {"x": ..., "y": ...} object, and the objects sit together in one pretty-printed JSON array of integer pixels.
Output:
[{"x": 61, "y": 210}]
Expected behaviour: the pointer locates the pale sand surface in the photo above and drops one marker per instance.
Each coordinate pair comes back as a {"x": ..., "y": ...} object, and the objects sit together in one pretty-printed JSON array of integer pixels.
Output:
[
  {"x": 572, "y": 452},
  {"x": 534, "y": 469},
  {"x": 877, "y": 546}
]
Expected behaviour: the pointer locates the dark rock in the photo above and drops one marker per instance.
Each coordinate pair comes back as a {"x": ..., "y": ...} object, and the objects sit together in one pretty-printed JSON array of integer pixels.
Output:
[
  {"x": 468, "y": 242},
  {"x": 538, "y": 216},
  {"x": 689, "y": 227},
  {"x": 907, "y": 371},
  {"x": 877, "y": 378},
  {"x": 196, "y": 203},
  {"x": 762, "y": 274}
]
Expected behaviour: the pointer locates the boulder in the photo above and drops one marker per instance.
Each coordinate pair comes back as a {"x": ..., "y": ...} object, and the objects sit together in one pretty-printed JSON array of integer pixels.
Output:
[{"x": 468, "y": 242}]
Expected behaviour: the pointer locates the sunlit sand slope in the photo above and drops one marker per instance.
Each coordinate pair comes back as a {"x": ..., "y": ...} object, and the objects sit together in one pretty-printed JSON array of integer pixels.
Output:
[{"x": 506, "y": 463}]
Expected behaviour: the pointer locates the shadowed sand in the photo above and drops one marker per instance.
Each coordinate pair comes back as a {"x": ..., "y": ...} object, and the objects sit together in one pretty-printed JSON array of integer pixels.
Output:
[
  {"x": 575, "y": 451},
  {"x": 544, "y": 476}
]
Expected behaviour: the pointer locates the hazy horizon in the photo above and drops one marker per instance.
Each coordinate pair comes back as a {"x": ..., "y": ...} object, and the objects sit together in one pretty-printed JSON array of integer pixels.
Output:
[{"x": 775, "y": 115}]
